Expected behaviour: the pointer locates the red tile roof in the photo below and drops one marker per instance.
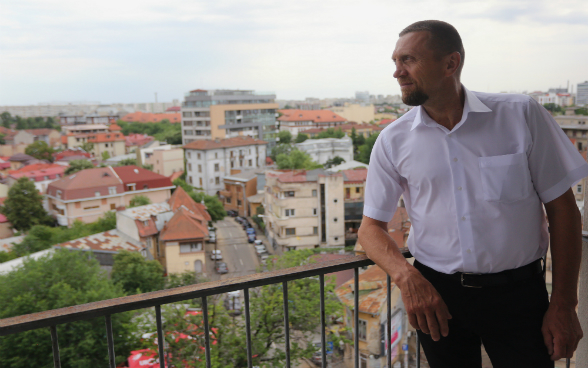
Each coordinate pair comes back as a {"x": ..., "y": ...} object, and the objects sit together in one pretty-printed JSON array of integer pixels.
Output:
[
  {"x": 340, "y": 277},
  {"x": 114, "y": 127},
  {"x": 141, "y": 177},
  {"x": 356, "y": 175},
  {"x": 175, "y": 175},
  {"x": 147, "y": 117},
  {"x": 34, "y": 167},
  {"x": 106, "y": 241},
  {"x": 180, "y": 198},
  {"x": 40, "y": 175},
  {"x": 224, "y": 143},
  {"x": 137, "y": 139},
  {"x": 385, "y": 121},
  {"x": 372, "y": 291},
  {"x": 183, "y": 226},
  {"x": 86, "y": 183},
  {"x": 174, "y": 108},
  {"x": 74, "y": 151},
  {"x": 198, "y": 90},
  {"x": 317, "y": 116},
  {"x": 43, "y": 131}
]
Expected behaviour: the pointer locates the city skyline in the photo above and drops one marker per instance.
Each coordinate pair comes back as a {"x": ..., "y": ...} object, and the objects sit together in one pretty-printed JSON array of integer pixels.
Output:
[{"x": 124, "y": 52}]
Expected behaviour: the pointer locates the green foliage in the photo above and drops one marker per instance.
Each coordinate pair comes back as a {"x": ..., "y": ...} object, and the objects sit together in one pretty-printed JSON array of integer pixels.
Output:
[
  {"x": 87, "y": 146},
  {"x": 213, "y": 205},
  {"x": 281, "y": 148},
  {"x": 330, "y": 133},
  {"x": 181, "y": 183},
  {"x": 2, "y": 140},
  {"x": 174, "y": 280},
  {"x": 259, "y": 221},
  {"x": 139, "y": 200},
  {"x": 135, "y": 274},
  {"x": 40, "y": 150},
  {"x": 41, "y": 237},
  {"x": 581, "y": 111},
  {"x": 7, "y": 256},
  {"x": 24, "y": 206},
  {"x": 296, "y": 160},
  {"x": 553, "y": 108},
  {"x": 301, "y": 137},
  {"x": 127, "y": 162},
  {"x": 28, "y": 123},
  {"x": 64, "y": 279},
  {"x": 162, "y": 131},
  {"x": 147, "y": 167},
  {"x": 334, "y": 162},
  {"x": 285, "y": 137},
  {"x": 78, "y": 165},
  {"x": 365, "y": 150},
  {"x": 105, "y": 155}
]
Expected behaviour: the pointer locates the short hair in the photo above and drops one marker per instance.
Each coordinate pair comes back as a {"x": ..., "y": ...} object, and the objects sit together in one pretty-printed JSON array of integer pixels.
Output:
[{"x": 445, "y": 38}]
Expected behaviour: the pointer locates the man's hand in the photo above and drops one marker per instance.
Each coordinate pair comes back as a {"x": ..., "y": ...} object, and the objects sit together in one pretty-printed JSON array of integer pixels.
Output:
[
  {"x": 561, "y": 331},
  {"x": 425, "y": 308}
]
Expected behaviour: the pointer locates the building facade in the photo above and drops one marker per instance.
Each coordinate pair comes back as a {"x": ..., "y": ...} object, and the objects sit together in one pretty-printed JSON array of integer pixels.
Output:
[
  {"x": 323, "y": 150},
  {"x": 228, "y": 113},
  {"x": 582, "y": 94},
  {"x": 295, "y": 121},
  {"x": 359, "y": 113},
  {"x": 209, "y": 161},
  {"x": 103, "y": 139},
  {"x": 238, "y": 187},
  {"x": 166, "y": 159},
  {"x": 304, "y": 209}
]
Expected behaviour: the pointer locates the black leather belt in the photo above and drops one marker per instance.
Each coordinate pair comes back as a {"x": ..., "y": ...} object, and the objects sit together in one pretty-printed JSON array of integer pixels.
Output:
[{"x": 479, "y": 280}]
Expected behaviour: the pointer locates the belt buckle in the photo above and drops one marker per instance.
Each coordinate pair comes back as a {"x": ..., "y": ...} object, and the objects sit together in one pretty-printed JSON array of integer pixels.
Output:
[{"x": 470, "y": 286}]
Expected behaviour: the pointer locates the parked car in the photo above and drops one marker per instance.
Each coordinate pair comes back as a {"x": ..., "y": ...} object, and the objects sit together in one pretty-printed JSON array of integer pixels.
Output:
[
  {"x": 239, "y": 219},
  {"x": 212, "y": 237},
  {"x": 251, "y": 238},
  {"x": 250, "y": 230},
  {"x": 246, "y": 225},
  {"x": 264, "y": 258},
  {"x": 260, "y": 250},
  {"x": 221, "y": 267},
  {"x": 232, "y": 213},
  {"x": 216, "y": 255},
  {"x": 258, "y": 242}
]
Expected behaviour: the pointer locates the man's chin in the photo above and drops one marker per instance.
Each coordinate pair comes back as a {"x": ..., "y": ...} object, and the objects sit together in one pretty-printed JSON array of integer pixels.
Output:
[{"x": 414, "y": 99}]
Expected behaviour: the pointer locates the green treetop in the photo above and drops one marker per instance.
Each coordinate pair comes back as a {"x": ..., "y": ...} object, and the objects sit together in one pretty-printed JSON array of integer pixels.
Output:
[{"x": 24, "y": 206}]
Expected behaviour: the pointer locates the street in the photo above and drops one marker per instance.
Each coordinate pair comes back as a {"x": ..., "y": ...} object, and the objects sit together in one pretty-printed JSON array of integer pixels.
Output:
[{"x": 238, "y": 254}]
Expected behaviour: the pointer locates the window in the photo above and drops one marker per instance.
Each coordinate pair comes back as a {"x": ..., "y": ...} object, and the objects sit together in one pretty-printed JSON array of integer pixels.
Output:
[
  {"x": 289, "y": 194},
  {"x": 216, "y": 155},
  {"x": 111, "y": 190},
  {"x": 579, "y": 146},
  {"x": 314, "y": 192},
  {"x": 335, "y": 219},
  {"x": 91, "y": 207},
  {"x": 579, "y": 188},
  {"x": 146, "y": 223},
  {"x": 190, "y": 179},
  {"x": 216, "y": 167},
  {"x": 291, "y": 231},
  {"x": 145, "y": 186},
  {"x": 58, "y": 194},
  {"x": 228, "y": 199},
  {"x": 335, "y": 200},
  {"x": 362, "y": 329},
  {"x": 200, "y": 182},
  {"x": 250, "y": 163},
  {"x": 357, "y": 189},
  {"x": 199, "y": 168},
  {"x": 130, "y": 187},
  {"x": 232, "y": 164},
  {"x": 45, "y": 178},
  {"x": 289, "y": 212},
  {"x": 238, "y": 202},
  {"x": 190, "y": 247},
  {"x": 198, "y": 156},
  {"x": 189, "y": 154},
  {"x": 113, "y": 206},
  {"x": 315, "y": 230},
  {"x": 217, "y": 180},
  {"x": 97, "y": 194},
  {"x": 314, "y": 211},
  {"x": 189, "y": 167}
]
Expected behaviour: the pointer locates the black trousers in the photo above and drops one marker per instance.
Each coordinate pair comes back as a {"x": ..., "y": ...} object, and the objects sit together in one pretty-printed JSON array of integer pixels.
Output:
[{"x": 506, "y": 319}]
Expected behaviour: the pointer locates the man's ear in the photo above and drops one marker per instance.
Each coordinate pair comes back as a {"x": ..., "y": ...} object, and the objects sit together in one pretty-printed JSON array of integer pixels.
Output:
[{"x": 453, "y": 63}]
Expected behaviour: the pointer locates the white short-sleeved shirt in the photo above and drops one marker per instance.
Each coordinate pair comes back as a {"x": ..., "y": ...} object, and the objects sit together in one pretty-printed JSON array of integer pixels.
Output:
[{"x": 474, "y": 194}]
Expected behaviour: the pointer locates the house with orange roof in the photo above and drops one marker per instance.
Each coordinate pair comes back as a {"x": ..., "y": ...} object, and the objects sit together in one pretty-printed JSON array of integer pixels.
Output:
[
  {"x": 294, "y": 120},
  {"x": 148, "y": 117},
  {"x": 41, "y": 174},
  {"x": 134, "y": 141},
  {"x": 374, "y": 341},
  {"x": 88, "y": 194},
  {"x": 103, "y": 139}
]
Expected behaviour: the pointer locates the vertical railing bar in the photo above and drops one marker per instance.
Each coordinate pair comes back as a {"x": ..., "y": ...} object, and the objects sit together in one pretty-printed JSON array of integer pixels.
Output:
[
  {"x": 110, "y": 341},
  {"x": 388, "y": 323},
  {"x": 356, "y": 315},
  {"x": 567, "y": 362},
  {"x": 160, "y": 340},
  {"x": 323, "y": 323},
  {"x": 248, "y": 329},
  {"x": 55, "y": 344},
  {"x": 418, "y": 351},
  {"x": 206, "y": 330},
  {"x": 286, "y": 323}
]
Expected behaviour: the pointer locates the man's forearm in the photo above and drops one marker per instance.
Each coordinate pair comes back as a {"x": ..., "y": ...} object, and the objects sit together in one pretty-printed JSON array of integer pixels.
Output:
[{"x": 565, "y": 231}]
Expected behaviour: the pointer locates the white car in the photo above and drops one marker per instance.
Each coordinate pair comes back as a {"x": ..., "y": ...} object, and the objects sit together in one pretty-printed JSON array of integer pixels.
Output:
[
  {"x": 258, "y": 242},
  {"x": 216, "y": 255},
  {"x": 260, "y": 249},
  {"x": 264, "y": 258}
]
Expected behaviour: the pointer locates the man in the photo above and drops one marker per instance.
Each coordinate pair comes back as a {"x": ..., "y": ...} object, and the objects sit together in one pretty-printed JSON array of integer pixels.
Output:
[{"x": 475, "y": 171}]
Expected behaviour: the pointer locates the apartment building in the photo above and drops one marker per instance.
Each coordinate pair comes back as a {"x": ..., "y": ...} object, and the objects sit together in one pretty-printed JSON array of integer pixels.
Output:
[
  {"x": 228, "y": 113},
  {"x": 295, "y": 121},
  {"x": 239, "y": 186},
  {"x": 166, "y": 159},
  {"x": 41, "y": 174},
  {"x": 104, "y": 139},
  {"x": 88, "y": 194},
  {"x": 209, "y": 161},
  {"x": 359, "y": 113},
  {"x": 582, "y": 94},
  {"x": 304, "y": 209},
  {"x": 323, "y": 150}
]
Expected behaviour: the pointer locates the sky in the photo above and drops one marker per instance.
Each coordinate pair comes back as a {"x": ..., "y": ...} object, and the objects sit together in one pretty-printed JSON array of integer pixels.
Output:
[{"x": 126, "y": 51}]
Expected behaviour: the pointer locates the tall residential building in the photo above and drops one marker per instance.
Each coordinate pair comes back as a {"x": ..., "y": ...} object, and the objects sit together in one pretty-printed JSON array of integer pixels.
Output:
[
  {"x": 228, "y": 113},
  {"x": 295, "y": 121},
  {"x": 208, "y": 162},
  {"x": 582, "y": 94},
  {"x": 304, "y": 209}
]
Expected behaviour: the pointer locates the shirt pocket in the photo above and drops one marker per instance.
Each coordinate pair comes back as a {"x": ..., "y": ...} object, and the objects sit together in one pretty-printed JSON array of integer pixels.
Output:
[{"x": 505, "y": 178}]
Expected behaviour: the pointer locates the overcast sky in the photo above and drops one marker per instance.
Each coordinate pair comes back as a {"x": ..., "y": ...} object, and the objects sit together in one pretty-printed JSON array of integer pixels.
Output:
[{"x": 125, "y": 51}]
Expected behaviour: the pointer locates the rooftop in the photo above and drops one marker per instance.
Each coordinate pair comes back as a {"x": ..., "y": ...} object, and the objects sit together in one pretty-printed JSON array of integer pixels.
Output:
[
  {"x": 180, "y": 198},
  {"x": 322, "y": 116},
  {"x": 133, "y": 174},
  {"x": 224, "y": 143},
  {"x": 144, "y": 213},
  {"x": 184, "y": 225},
  {"x": 301, "y": 176},
  {"x": 147, "y": 117},
  {"x": 372, "y": 291},
  {"x": 356, "y": 176},
  {"x": 110, "y": 240}
]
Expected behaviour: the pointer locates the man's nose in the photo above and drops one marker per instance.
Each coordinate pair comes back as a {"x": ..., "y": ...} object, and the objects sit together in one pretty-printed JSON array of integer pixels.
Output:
[{"x": 400, "y": 71}]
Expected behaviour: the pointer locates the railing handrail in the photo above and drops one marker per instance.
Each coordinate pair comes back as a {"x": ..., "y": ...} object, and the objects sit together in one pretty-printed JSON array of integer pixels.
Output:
[{"x": 128, "y": 303}]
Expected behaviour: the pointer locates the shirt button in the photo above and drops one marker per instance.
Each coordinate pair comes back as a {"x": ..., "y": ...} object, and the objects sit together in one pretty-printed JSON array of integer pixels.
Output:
[
  {"x": 455, "y": 159},
  {"x": 463, "y": 218},
  {"x": 458, "y": 188}
]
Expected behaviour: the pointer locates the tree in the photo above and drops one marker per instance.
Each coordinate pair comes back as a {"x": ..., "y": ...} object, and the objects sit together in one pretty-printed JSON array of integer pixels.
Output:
[
  {"x": 127, "y": 162},
  {"x": 281, "y": 148},
  {"x": 105, "y": 155},
  {"x": 334, "y": 162},
  {"x": 62, "y": 279},
  {"x": 285, "y": 137},
  {"x": 139, "y": 200},
  {"x": 87, "y": 146},
  {"x": 365, "y": 150},
  {"x": 135, "y": 274},
  {"x": 301, "y": 137},
  {"x": 296, "y": 160},
  {"x": 78, "y": 165},
  {"x": 174, "y": 280},
  {"x": 24, "y": 206},
  {"x": 40, "y": 150},
  {"x": 581, "y": 111},
  {"x": 214, "y": 206},
  {"x": 147, "y": 167},
  {"x": 6, "y": 119},
  {"x": 553, "y": 108},
  {"x": 330, "y": 133}
]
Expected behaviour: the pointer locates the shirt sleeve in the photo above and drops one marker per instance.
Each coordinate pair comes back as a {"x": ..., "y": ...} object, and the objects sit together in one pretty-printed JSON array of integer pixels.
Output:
[
  {"x": 554, "y": 162},
  {"x": 383, "y": 183}
]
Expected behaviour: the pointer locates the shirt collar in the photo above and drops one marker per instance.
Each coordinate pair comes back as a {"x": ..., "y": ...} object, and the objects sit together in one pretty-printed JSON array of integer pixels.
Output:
[{"x": 471, "y": 104}]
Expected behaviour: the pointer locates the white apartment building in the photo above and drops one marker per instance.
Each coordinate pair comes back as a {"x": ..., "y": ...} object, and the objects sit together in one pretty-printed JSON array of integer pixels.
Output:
[
  {"x": 561, "y": 99},
  {"x": 322, "y": 150},
  {"x": 304, "y": 209},
  {"x": 209, "y": 161}
]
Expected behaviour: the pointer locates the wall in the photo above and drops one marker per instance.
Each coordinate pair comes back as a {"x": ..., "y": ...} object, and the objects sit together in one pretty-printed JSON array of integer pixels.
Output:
[
  {"x": 155, "y": 195},
  {"x": 176, "y": 261},
  {"x": 217, "y": 115},
  {"x": 6, "y": 230},
  {"x": 167, "y": 162},
  {"x": 355, "y": 112},
  {"x": 335, "y": 210},
  {"x": 127, "y": 226}
]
